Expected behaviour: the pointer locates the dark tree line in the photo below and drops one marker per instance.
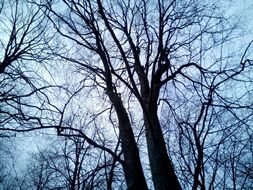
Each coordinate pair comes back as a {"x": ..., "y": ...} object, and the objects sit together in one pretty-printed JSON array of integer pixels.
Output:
[{"x": 173, "y": 72}]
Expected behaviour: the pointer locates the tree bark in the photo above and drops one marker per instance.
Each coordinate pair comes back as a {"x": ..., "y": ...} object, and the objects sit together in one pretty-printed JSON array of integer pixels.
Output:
[
  {"x": 132, "y": 165},
  {"x": 163, "y": 174}
]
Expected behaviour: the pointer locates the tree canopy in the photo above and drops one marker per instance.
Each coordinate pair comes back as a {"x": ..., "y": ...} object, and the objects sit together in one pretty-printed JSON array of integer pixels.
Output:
[{"x": 138, "y": 94}]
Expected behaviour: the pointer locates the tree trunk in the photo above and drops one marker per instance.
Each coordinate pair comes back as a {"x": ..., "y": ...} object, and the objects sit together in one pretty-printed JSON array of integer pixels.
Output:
[
  {"x": 132, "y": 165},
  {"x": 163, "y": 174}
]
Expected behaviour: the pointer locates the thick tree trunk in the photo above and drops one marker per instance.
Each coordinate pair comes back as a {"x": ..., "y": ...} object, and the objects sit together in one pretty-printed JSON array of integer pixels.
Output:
[
  {"x": 163, "y": 174},
  {"x": 132, "y": 165}
]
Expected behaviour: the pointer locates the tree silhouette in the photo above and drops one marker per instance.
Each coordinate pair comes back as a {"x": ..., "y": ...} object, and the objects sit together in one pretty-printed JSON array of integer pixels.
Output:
[{"x": 165, "y": 69}]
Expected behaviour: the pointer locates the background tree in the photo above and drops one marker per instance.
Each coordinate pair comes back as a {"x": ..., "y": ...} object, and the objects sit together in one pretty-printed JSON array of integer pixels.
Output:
[
  {"x": 24, "y": 47},
  {"x": 71, "y": 163}
]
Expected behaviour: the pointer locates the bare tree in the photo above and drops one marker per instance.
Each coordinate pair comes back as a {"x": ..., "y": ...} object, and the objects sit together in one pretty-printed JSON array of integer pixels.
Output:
[
  {"x": 24, "y": 49},
  {"x": 69, "y": 163},
  {"x": 147, "y": 59},
  {"x": 24, "y": 46},
  {"x": 142, "y": 48}
]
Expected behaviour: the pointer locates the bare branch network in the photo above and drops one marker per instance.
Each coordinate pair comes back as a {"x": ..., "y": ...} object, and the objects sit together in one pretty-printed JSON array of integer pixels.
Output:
[{"x": 129, "y": 94}]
